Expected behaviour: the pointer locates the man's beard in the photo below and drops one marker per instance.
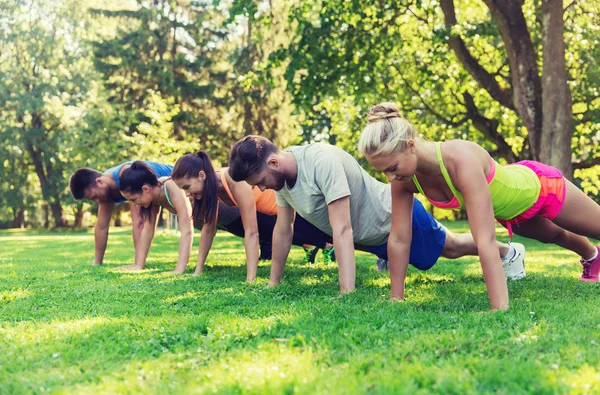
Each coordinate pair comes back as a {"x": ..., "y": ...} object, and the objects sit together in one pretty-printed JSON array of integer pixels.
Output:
[{"x": 279, "y": 182}]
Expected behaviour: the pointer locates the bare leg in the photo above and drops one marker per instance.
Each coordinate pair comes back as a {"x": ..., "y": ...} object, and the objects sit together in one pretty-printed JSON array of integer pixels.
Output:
[
  {"x": 461, "y": 244},
  {"x": 546, "y": 231},
  {"x": 580, "y": 215}
]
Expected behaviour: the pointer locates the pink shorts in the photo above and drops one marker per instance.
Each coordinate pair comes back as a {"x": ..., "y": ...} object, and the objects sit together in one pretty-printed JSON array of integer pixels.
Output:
[{"x": 551, "y": 199}]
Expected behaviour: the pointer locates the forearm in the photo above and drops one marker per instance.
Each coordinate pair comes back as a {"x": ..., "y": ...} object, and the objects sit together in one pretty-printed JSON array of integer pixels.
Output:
[
  {"x": 100, "y": 241},
  {"x": 251, "y": 244},
  {"x": 136, "y": 235},
  {"x": 206, "y": 240},
  {"x": 493, "y": 274},
  {"x": 344, "y": 248},
  {"x": 282, "y": 242},
  {"x": 185, "y": 249},
  {"x": 398, "y": 260},
  {"x": 143, "y": 246}
]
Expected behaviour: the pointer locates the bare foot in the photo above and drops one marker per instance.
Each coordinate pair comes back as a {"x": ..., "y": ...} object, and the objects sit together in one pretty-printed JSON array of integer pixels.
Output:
[
  {"x": 195, "y": 274},
  {"x": 97, "y": 264},
  {"x": 175, "y": 272}
]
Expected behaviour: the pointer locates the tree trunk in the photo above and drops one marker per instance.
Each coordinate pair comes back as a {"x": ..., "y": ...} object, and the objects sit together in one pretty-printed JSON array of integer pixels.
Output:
[
  {"x": 161, "y": 219},
  {"x": 557, "y": 107},
  {"x": 54, "y": 202},
  {"x": 18, "y": 218},
  {"x": 78, "y": 217},
  {"x": 526, "y": 83},
  {"x": 46, "y": 216},
  {"x": 57, "y": 213}
]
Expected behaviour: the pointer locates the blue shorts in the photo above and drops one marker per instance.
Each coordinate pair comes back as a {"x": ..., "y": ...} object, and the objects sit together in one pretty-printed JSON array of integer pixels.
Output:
[{"x": 428, "y": 239}]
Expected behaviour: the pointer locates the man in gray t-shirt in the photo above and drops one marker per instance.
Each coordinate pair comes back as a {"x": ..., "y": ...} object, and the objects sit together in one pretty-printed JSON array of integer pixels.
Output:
[
  {"x": 329, "y": 189},
  {"x": 326, "y": 173}
]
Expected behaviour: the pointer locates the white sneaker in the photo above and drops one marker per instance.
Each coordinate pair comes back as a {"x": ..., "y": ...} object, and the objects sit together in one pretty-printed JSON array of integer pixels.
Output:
[{"x": 514, "y": 268}]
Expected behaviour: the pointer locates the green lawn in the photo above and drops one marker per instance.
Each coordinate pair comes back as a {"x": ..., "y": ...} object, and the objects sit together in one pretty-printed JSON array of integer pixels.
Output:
[{"x": 68, "y": 327}]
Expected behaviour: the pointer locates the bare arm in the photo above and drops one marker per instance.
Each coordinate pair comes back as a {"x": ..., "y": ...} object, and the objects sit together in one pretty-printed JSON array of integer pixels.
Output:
[
  {"x": 146, "y": 239},
  {"x": 242, "y": 192},
  {"x": 137, "y": 225},
  {"x": 105, "y": 211},
  {"x": 471, "y": 182},
  {"x": 283, "y": 235},
  {"x": 206, "y": 239},
  {"x": 343, "y": 242},
  {"x": 400, "y": 238},
  {"x": 183, "y": 208}
]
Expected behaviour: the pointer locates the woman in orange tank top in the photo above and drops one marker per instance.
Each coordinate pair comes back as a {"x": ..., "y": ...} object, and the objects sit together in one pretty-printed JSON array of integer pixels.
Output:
[{"x": 208, "y": 187}]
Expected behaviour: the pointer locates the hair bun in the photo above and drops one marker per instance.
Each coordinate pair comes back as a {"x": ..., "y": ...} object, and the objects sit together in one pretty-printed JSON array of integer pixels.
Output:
[{"x": 374, "y": 117}]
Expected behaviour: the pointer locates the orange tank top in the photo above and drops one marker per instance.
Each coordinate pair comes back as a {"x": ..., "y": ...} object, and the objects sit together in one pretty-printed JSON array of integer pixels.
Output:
[{"x": 266, "y": 202}]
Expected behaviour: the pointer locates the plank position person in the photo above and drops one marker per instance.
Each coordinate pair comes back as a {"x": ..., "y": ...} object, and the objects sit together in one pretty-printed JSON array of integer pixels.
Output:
[{"x": 328, "y": 188}]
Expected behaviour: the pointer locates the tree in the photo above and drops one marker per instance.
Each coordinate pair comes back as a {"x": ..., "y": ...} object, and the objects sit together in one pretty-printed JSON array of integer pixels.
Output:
[
  {"x": 470, "y": 71},
  {"x": 44, "y": 72}
]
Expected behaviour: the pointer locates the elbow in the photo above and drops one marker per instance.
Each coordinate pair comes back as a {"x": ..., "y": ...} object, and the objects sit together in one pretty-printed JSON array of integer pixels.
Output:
[
  {"x": 252, "y": 234},
  {"x": 138, "y": 225},
  {"x": 187, "y": 234},
  {"x": 343, "y": 231},
  {"x": 399, "y": 240}
]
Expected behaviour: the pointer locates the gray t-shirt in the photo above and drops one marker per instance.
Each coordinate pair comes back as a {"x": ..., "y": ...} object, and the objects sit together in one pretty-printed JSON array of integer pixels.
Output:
[{"x": 327, "y": 173}]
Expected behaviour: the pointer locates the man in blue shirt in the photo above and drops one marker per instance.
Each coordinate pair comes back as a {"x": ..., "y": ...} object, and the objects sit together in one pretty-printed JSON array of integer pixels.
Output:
[{"x": 103, "y": 189}]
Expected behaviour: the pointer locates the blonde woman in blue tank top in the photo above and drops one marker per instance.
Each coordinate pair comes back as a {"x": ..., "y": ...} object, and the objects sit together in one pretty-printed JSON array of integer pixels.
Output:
[{"x": 529, "y": 198}]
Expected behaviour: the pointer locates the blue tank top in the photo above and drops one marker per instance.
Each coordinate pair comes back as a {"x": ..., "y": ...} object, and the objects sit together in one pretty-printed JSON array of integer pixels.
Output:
[{"x": 158, "y": 168}]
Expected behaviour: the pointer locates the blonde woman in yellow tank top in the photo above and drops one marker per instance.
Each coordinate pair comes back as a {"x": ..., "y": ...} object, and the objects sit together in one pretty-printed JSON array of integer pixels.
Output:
[{"x": 529, "y": 198}]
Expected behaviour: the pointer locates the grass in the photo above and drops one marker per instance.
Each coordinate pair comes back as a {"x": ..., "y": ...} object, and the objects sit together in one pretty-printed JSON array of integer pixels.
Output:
[{"x": 68, "y": 327}]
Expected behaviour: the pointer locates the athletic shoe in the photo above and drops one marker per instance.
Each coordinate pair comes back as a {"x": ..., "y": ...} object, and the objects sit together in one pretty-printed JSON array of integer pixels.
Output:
[
  {"x": 514, "y": 267},
  {"x": 591, "y": 269},
  {"x": 328, "y": 255},
  {"x": 311, "y": 254},
  {"x": 382, "y": 265}
]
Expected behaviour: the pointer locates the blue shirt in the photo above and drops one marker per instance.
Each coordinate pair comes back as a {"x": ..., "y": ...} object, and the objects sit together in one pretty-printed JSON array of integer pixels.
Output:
[{"x": 159, "y": 169}]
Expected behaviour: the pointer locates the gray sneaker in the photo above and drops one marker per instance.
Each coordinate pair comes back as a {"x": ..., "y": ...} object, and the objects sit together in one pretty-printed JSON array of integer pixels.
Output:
[
  {"x": 382, "y": 265},
  {"x": 514, "y": 268}
]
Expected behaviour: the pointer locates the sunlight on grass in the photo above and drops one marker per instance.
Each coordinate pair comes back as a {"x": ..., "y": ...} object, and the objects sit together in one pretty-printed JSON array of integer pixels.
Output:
[
  {"x": 9, "y": 296},
  {"x": 187, "y": 295},
  {"x": 585, "y": 380},
  {"x": 68, "y": 327},
  {"x": 34, "y": 333}
]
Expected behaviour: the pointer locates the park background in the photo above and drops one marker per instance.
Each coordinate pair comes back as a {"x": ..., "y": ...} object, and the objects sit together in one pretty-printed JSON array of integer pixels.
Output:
[{"x": 95, "y": 83}]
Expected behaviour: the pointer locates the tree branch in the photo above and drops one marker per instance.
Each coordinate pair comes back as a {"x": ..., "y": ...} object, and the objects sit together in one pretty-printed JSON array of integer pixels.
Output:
[
  {"x": 489, "y": 128},
  {"x": 574, "y": 2},
  {"x": 430, "y": 109},
  {"x": 481, "y": 75},
  {"x": 586, "y": 164}
]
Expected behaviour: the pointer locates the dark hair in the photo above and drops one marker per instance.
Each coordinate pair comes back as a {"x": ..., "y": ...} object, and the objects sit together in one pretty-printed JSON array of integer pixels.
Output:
[
  {"x": 190, "y": 165},
  {"x": 249, "y": 156},
  {"x": 134, "y": 178},
  {"x": 81, "y": 180}
]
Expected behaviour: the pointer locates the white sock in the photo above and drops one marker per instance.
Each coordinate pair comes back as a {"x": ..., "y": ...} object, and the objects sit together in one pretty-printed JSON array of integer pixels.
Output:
[
  {"x": 592, "y": 259},
  {"x": 510, "y": 254}
]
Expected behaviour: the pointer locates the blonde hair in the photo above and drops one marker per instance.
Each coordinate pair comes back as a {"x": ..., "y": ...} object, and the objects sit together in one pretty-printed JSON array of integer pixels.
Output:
[{"x": 386, "y": 131}]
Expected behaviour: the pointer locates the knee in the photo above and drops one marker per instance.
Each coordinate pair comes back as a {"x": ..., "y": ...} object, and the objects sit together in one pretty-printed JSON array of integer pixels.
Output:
[
  {"x": 458, "y": 245},
  {"x": 554, "y": 237}
]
